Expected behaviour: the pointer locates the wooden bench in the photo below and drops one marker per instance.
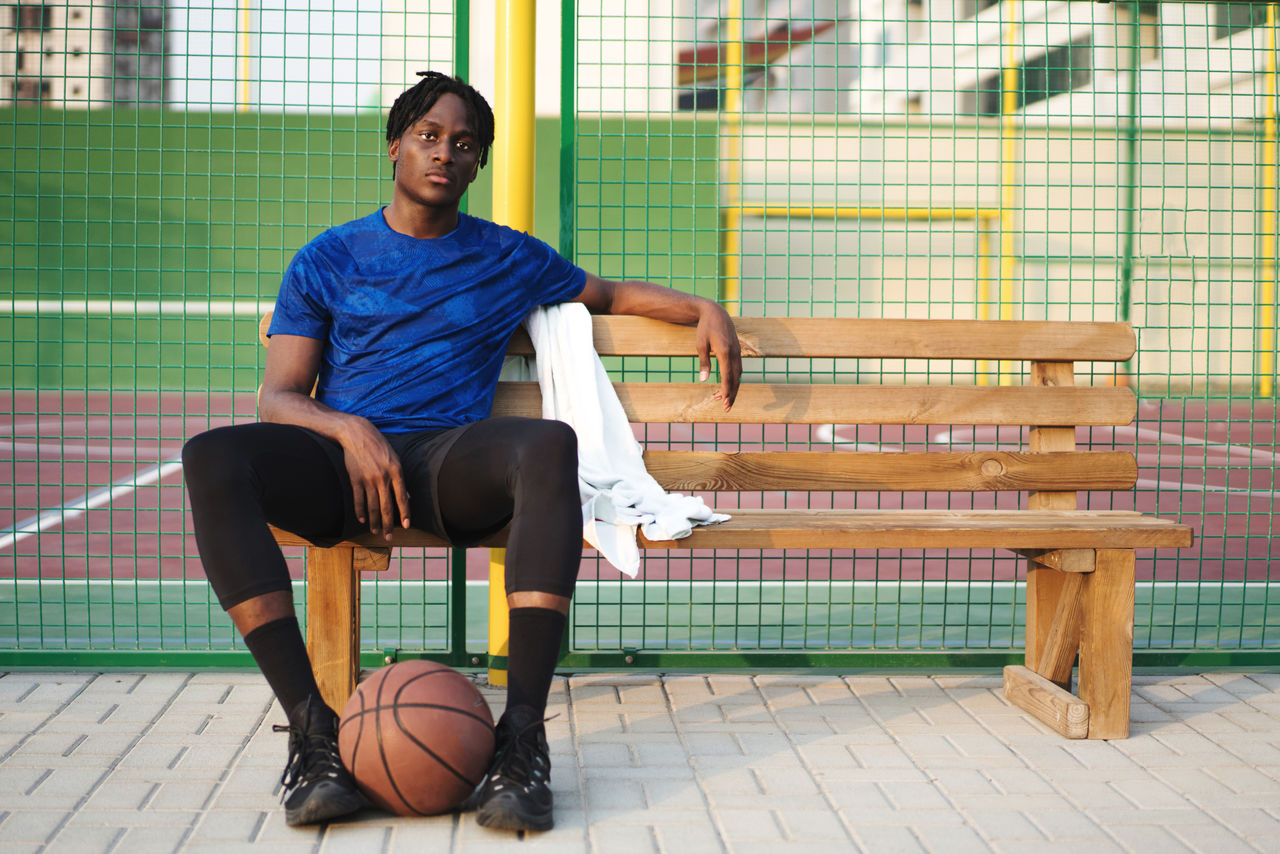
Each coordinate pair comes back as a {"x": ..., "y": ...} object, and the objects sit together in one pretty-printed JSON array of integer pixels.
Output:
[{"x": 1080, "y": 563}]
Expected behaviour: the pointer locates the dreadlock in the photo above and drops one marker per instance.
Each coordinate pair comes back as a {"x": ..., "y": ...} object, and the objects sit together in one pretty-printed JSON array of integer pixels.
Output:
[{"x": 414, "y": 103}]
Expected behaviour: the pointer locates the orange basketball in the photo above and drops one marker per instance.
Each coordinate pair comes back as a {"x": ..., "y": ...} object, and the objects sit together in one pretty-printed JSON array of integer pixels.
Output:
[{"x": 417, "y": 736}]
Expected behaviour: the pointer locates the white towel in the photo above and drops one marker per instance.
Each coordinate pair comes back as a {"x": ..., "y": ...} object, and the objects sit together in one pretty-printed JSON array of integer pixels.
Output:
[{"x": 618, "y": 494}]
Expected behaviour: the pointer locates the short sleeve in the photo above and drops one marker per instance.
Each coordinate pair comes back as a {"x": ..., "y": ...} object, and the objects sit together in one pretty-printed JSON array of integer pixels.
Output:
[
  {"x": 301, "y": 305},
  {"x": 557, "y": 279}
]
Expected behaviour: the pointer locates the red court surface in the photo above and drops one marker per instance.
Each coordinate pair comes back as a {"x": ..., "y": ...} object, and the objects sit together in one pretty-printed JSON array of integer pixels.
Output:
[{"x": 92, "y": 488}]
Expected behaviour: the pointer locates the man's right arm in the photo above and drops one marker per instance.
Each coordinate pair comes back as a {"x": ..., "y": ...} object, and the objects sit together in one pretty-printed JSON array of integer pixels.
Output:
[{"x": 377, "y": 482}]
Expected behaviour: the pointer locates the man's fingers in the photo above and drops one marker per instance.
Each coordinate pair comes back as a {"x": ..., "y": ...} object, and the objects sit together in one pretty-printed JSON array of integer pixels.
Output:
[
  {"x": 357, "y": 502},
  {"x": 402, "y": 498}
]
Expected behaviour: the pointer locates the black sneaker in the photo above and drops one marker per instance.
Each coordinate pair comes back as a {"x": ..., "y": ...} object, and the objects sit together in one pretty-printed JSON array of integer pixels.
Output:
[
  {"x": 516, "y": 794},
  {"x": 317, "y": 787}
]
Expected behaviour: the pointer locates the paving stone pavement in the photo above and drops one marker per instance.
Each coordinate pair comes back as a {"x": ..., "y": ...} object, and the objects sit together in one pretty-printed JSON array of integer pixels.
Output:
[{"x": 157, "y": 762}]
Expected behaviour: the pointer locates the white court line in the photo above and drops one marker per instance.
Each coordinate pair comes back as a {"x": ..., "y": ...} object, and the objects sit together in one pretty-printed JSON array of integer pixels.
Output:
[
  {"x": 98, "y": 497},
  {"x": 184, "y": 308},
  {"x": 826, "y": 433}
]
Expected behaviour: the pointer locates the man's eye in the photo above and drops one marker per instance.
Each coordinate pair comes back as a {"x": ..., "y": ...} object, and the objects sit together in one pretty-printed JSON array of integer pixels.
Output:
[
  {"x": 426, "y": 134},
  {"x": 464, "y": 146}
]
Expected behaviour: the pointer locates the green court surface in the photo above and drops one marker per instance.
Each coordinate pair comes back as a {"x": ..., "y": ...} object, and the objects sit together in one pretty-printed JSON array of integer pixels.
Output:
[{"x": 821, "y": 619}]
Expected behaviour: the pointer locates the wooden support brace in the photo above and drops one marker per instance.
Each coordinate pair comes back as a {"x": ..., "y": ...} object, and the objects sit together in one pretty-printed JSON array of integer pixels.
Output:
[
  {"x": 1060, "y": 710},
  {"x": 1062, "y": 639},
  {"x": 1063, "y": 560},
  {"x": 333, "y": 622},
  {"x": 1106, "y": 643}
]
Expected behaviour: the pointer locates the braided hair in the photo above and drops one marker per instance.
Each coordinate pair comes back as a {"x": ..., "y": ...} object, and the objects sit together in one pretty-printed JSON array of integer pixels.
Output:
[{"x": 414, "y": 103}]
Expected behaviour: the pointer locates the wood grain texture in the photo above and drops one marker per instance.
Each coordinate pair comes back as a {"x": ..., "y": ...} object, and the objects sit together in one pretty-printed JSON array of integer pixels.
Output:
[
  {"x": 773, "y": 403},
  {"x": 939, "y": 471},
  {"x": 1106, "y": 644},
  {"x": 909, "y": 529},
  {"x": 1057, "y": 654},
  {"x": 872, "y": 338},
  {"x": 1061, "y": 711},
  {"x": 887, "y": 529},
  {"x": 1047, "y": 439},
  {"x": 333, "y": 622}
]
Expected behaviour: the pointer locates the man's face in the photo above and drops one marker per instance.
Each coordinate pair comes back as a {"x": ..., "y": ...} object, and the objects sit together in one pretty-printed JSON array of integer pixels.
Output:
[{"x": 438, "y": 156}]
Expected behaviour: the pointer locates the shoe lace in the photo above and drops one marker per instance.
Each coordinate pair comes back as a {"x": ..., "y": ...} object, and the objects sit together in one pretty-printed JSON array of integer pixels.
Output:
[
  {"x": 521, "y": 757},
  {"x": 311, "y": 757}
]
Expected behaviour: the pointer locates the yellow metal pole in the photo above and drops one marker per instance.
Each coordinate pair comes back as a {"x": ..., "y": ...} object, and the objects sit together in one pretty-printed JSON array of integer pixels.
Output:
[
  {"x": 1008, "y": 172},
  {"x": 242, "y": 91},
  {"x": 513, "y": 170},
  {"x": 984, "y": 286},
  {"x": 730, "y": 210},
  {"x": 1269, "y": 250}
]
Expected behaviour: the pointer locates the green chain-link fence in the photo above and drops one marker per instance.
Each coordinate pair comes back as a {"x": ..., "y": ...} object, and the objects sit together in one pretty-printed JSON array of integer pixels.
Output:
[{"x": 884, "y": 158}]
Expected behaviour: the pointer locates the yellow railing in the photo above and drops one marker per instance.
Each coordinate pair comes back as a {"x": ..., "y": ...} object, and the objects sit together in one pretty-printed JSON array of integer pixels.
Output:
[{"x": 733, "y": 210}]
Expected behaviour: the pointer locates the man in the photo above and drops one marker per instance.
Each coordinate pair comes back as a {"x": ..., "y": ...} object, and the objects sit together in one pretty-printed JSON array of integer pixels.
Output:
[{"x": 403, "y": 317}]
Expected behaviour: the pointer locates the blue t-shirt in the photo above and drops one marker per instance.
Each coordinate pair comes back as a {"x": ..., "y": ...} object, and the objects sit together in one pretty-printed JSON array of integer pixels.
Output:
[{"x": 415, "y": 330}]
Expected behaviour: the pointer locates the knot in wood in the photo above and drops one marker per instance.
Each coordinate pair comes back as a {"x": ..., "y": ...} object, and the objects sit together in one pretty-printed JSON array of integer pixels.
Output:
[{"x": 992, "y": 467}]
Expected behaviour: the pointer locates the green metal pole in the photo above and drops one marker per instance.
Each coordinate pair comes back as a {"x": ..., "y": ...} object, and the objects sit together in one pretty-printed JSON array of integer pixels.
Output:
[
  {"x": 568, "y": 125},
  {"x": 1131, "y": 172},
  {"x": 462, "y": 52}
]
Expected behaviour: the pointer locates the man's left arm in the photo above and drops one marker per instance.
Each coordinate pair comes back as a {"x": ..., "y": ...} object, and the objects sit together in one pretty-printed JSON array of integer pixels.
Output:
[{"x": 716, "y": 336}]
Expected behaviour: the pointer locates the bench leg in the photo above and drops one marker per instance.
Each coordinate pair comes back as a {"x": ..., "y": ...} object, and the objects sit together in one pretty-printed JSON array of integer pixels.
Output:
[
  {"x": 1106, "y": 643},
  {"x": 333, "y": 622}
]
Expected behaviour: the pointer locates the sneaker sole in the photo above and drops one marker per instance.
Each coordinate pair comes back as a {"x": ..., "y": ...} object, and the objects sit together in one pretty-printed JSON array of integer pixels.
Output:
[
  {"x": 321, "y": 808},
  {"x": 503, "y": 813}
]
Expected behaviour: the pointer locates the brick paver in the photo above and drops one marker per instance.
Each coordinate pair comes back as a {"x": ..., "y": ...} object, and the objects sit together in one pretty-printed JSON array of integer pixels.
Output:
[{"x": 161, "y": 762}]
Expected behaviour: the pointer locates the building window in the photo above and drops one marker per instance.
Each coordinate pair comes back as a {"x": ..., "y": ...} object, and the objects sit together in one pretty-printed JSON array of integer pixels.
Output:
[
  {"x": 1060, "y": 70},
  {"x": 20, "y": 61},
  {"x": 32, "y": 16},
  {"x": 31, "y": 89},
  {"x": 969, "y": 8},
  {"x": 1231, "y": 18}
]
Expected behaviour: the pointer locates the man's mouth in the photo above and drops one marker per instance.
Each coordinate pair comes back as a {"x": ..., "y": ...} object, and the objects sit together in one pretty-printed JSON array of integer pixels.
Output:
[{"x": 439, "y": 178}]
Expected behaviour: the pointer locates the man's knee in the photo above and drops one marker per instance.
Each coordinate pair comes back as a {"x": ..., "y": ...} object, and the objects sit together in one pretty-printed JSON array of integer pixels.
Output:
[
  {"x": 550, "y": 444},
  {"x": 213, "y": 460}
]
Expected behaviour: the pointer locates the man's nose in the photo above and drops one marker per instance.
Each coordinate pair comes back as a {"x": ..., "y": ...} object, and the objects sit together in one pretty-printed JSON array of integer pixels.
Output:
[{"x": 443, "y": 151}]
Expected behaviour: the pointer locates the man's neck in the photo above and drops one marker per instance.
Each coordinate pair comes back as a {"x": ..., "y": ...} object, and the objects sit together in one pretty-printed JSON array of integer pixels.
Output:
[{"x": 420, "y": 221}]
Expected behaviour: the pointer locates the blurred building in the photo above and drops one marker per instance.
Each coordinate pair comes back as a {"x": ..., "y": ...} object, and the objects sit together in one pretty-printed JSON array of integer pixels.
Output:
[
  {"x": 93, "y": 54},
  {"x": 1070, "y": 61}
]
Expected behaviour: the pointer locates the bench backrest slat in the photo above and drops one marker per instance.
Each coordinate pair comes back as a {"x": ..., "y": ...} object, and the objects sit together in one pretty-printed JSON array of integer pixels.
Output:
[
  {"x": 772, "y": 403},
  {"x": 816, "y": 337},
  {"x": 933, "y": 471},
  {"x": 1048, "y": 467}
]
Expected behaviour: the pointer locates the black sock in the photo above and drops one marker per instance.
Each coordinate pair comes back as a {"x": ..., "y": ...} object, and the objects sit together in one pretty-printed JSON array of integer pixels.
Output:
[
  {"x": 534, "y": 649},
  {"x": 278, "y": 648}
]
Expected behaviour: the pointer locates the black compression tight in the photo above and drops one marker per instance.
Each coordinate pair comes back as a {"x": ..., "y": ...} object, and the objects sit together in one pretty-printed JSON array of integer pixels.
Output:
[{"x": 517, "y": 470}]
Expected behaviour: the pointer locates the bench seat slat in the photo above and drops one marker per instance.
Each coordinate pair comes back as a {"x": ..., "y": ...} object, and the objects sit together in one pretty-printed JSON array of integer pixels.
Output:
[
  {"x": 888, "y": 529},
  {"x": 920, "y": 529},
  {"x": 821, "y": 337},
  {"x": 938, "y": 471},
  {"x": 774, "y": 403}
]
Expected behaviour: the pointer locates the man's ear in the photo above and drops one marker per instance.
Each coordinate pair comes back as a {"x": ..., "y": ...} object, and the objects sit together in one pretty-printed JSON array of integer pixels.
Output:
[{"x": 393, "y": 150}]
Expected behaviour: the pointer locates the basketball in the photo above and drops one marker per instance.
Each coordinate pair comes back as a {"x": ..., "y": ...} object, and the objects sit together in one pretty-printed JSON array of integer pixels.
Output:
[{"x": 417, "y": 736}]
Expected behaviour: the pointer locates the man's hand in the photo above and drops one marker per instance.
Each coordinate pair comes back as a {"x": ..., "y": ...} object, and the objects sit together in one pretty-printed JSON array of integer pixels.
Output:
[
  {"x": 717, "y": 337},
  {"x": 715, "y": 333},
  {"x": 377, "y": 481}
]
